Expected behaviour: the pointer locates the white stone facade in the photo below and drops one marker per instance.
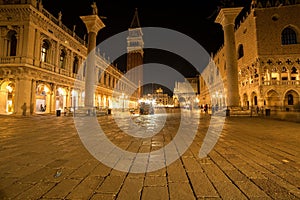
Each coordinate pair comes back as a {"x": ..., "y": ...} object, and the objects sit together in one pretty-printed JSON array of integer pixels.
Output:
[{"x": 42, "y": 64}]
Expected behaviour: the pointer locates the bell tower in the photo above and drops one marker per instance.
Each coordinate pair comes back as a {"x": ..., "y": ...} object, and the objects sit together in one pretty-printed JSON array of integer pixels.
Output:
[{"x": 135, "y": 53}]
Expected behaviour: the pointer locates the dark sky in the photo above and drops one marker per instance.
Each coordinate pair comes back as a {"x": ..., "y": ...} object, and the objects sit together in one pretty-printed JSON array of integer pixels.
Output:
[{"x": 194, "y": 18}]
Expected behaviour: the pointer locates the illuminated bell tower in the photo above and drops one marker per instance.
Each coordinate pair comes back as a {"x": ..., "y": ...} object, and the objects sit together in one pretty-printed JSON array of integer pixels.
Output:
[{"x": 135, "y": 53}]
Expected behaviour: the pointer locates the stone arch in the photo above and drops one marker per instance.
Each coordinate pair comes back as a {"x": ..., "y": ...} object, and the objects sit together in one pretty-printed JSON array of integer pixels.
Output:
[
  {"x": 7, "y": 93},
  {"x": 272, "y": 98},
  {"x": 43, "y": 98},
  {"x": 245, "y": 101},
  {"x": 291, "y": 98},
  {"x": 254, "y": 99},
  {"x": 181, "y": 99}
]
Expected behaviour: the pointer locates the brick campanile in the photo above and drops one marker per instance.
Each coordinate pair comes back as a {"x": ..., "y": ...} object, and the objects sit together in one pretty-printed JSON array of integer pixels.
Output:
[
  {"x": 93, "y": 24},
  {"x": 226, "y": 18},
  {"x": 135, "y": 53}
]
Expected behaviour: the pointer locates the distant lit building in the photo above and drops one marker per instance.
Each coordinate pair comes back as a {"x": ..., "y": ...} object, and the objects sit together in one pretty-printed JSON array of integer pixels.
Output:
[
  {"x": 159, "y": 98},
  {"x": 267, "y": 38},
  {"x": 186, "y": 93}
]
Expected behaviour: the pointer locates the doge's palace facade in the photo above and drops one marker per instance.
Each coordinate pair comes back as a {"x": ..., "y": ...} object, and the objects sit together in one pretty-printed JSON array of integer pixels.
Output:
[{"x": 267, "y": 38}]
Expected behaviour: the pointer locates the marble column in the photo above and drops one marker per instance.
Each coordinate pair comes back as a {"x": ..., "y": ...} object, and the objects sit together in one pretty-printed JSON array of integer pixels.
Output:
[
  {"x": 226, "y": 18},
  {"x": 93, "y": 24}
]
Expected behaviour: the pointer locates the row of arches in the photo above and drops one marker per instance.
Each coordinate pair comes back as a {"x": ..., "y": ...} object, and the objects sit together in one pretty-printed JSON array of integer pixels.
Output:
[
  {"x": 272, "y": 99},
  {"x": 47, "y": 98}
]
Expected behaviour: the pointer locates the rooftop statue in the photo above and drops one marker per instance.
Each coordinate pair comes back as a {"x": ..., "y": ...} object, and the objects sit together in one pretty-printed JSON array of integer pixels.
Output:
[{"x": 95, "y": 9}]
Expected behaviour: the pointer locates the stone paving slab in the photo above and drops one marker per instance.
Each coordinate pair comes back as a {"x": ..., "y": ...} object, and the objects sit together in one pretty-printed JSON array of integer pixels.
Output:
[{"x": 42, "y": 157}]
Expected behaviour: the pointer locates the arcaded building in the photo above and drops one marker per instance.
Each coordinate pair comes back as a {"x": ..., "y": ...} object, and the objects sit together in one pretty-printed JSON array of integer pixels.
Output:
[
  {"x": 40, "y": 60},
  {"x": 266, "y": 50}
]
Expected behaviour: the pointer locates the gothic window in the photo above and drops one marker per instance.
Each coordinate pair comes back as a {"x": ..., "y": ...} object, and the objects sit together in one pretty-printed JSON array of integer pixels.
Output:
[
  {"x": 75, "y": 65},
  {"x": 255, "y": 100},
  {"x": 288, "y": 36},
  {"x": 62, "y": 59},
  {"x": 284, "y": 70},
  {"x": 240, "y": 51},
  {"x": 294, "y": 70},
  {"x": 290, "y": 99},
  {"x": 11, "y": 43},
  {"x": 45, "y": 51}
]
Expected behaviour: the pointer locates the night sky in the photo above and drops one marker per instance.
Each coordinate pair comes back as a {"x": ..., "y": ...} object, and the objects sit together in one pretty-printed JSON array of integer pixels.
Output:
[{"x": 194, "y": 18}]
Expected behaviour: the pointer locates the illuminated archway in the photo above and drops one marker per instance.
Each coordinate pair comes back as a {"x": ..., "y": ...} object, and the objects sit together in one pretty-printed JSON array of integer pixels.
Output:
[
  {"x": 273, "y": 98},
  {"x": 61, "y": 98},
  {"x": 7, "y": 94},
  {"x": 43, "y": 98},
  {"x": 291, "y": 98}
]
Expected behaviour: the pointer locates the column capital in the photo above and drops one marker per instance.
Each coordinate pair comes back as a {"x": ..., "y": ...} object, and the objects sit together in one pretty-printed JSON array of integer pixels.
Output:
[
  {"x": 93, "y": 23},
  {"x": 227, "y": 16}
]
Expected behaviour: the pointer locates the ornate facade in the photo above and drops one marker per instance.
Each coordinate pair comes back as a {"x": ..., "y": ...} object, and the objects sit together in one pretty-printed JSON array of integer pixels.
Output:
[
  {"x": 267, "y": 47},
  {"x": 40, "y": 60}
]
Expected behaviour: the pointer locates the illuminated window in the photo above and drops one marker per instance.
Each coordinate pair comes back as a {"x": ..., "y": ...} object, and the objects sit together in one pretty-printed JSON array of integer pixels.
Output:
[
  {"x": 45, "y": 50},
  {"x": 62, "y": 59}
]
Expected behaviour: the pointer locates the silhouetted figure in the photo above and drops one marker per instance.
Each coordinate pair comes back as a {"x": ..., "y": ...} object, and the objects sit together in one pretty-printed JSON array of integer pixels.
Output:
[{"x": 24, "y": 108}]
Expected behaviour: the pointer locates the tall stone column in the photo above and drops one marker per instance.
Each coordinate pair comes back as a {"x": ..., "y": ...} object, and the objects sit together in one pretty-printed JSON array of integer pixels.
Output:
[
  {"x": 52, "y": 106},
  {"x": 33, "y": 97},
  {"x": 23, "y": 96},
  {"x": 93, "y": 24},
  {"x": 226, "y": 18}
]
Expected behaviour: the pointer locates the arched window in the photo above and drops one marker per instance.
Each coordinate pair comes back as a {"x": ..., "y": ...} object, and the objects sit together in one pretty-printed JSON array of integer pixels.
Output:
[
  {"x": 62, "y": 59},
  {"x": 75, "y": 65},
  {"x": 288, "y": 36},
  {"x": 11, "y": 43},
  {"x": 294, "y": 70},
  {"x": 45, "y": 51},
  {"x": 255, "y": 100},
  {"x": 290, "y": 99},
  {"x": 240, "y": 51}
]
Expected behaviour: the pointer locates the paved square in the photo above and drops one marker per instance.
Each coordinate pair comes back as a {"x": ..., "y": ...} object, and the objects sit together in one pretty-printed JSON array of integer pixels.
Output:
[{"x": 42, "y": 157}]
